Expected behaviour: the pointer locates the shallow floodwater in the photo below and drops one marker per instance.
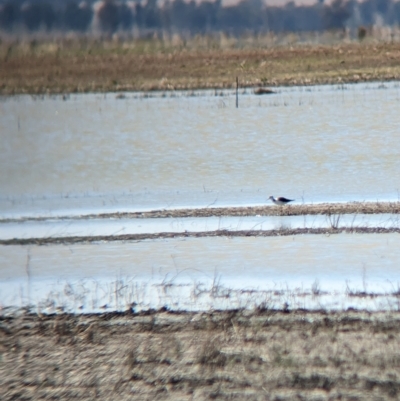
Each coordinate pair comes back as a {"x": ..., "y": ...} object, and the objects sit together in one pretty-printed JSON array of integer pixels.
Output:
[
  {"x": 63, "y": 158},
  {"x": 311, "y": 271},
  {"x": 63, "y": 228},
  {"x": 95, "y": 153}
]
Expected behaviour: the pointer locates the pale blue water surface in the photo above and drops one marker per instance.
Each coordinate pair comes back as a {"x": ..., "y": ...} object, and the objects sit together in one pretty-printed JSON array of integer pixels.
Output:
[
  {"x": 304, "y": 271},
  {"x": 96, "y": 153}
]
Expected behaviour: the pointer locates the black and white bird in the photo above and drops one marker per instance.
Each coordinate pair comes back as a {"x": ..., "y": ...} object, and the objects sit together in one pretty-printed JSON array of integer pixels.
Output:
[{"x": 281, "y": 200}]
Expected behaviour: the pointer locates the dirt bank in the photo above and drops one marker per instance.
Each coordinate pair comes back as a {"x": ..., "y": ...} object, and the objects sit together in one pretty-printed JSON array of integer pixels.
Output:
[
  {"x": 327, "y": 209},
  {"x": 257, "y": 355},
  {"x": 216, "y": 233}
]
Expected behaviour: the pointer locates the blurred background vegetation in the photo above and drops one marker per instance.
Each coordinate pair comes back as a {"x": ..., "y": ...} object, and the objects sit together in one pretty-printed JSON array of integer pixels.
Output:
[{"x": 157, "y": 19}]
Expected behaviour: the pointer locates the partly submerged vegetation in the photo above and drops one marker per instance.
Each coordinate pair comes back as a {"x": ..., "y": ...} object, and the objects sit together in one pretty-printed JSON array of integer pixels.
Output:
[
  {"x": 328, "y": 209},
  {"x": 333, "y": 213},
  {"x": 282, "y": 231}
]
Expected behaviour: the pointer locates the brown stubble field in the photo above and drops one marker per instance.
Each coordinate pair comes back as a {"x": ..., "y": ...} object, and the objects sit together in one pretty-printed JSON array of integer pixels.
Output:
[
  {"x": 62, "y": 66},
  {"x": 232, "y": 355}
]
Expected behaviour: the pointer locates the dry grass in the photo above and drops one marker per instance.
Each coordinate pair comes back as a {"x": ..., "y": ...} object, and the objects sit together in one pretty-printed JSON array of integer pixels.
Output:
[
  {"x": 259, "y": 355},
  {"x": 63, "y": 66}
]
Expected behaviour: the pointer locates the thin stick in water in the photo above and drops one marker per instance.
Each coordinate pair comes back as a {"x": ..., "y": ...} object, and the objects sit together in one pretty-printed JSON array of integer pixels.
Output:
[{"x": 237, "y": 92}]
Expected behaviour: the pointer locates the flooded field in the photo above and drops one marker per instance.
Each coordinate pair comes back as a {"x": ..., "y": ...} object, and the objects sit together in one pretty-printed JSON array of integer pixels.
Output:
[
  {"x": 99, "y": 152},
  {"x": 74, "y": 166},
  {"x": 302, "y": 271},
  {"x": 139, "y": 255}
]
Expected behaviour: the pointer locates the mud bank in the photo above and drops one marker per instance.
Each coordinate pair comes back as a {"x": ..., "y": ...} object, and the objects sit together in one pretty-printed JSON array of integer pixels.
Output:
[
  {"x": 288, "y": 210},
  {"x": 217, "y": 233},
  {"x": 327, "y": 209}
]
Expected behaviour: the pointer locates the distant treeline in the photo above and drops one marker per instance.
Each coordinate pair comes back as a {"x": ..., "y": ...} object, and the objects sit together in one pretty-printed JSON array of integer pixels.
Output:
[{"x": 178, "y": 16}]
